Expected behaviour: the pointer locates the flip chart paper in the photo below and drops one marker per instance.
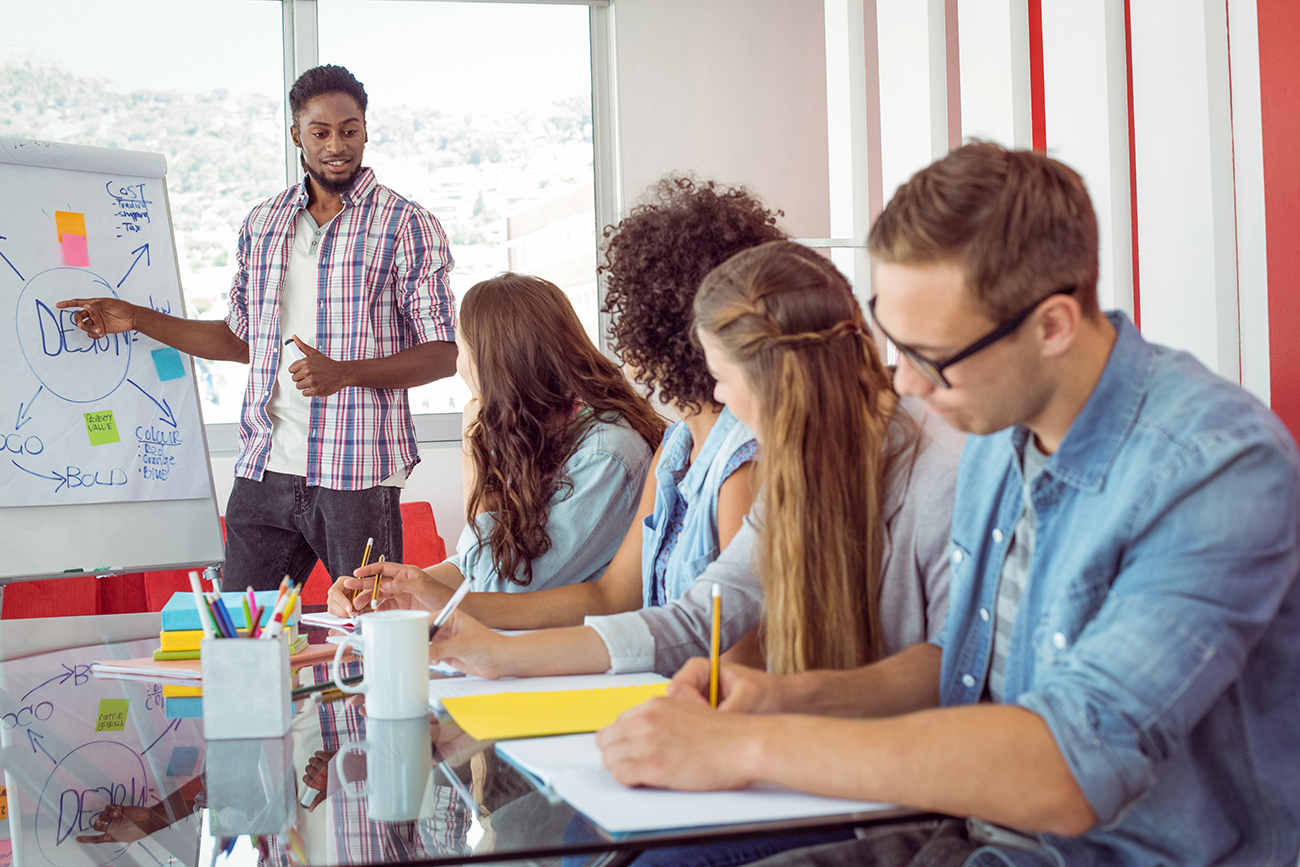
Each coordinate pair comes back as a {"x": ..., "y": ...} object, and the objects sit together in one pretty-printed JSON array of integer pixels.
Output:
[{"x": 533, "y": 714}]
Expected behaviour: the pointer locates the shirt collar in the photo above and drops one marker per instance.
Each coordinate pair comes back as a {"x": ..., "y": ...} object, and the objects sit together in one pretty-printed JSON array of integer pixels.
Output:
[
  {"x": 1097, "y": 434},
  {"x": 362, "y": 186}
]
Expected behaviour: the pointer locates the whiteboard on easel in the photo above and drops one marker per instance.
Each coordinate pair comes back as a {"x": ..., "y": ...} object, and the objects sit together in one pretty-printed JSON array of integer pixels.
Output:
[{"x": 104, "y": 464}]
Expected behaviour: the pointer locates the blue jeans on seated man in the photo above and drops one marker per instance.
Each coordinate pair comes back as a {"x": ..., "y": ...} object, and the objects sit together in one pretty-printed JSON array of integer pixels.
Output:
[
  {"x": 281, "y": 526},
  {"x": 725, "y": 853}
]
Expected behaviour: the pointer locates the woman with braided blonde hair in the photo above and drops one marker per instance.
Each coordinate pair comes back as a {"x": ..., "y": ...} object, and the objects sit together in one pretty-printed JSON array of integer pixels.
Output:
[{"x": 844, "y": 558}]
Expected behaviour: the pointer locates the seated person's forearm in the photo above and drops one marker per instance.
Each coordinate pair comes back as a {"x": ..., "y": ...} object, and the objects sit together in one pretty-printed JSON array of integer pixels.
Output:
[
  {"x": 558, "y": 606},
  {"x": 905, "y": 682}
]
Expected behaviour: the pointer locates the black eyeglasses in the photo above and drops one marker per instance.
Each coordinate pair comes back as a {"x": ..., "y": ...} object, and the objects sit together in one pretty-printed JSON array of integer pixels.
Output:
[{"x": 933, "y": 370}]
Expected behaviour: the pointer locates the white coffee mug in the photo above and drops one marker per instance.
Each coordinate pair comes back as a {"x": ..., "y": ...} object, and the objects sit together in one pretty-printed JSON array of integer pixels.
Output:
[
  {"x": 394, "y": 646},
  {"x": 399, "y": 765}
]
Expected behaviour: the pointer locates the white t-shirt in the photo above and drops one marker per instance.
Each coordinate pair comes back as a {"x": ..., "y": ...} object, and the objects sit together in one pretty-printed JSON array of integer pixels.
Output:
[{"x": 290, "y": 411}]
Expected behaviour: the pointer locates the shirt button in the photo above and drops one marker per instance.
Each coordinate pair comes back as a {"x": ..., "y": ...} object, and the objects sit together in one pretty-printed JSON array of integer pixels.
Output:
[
  {"x": 967, "y": 681},
  {"x": 956, "y": 556},
  {"x": 997, "y": 535},
  {"x": 984, "y": 614},
  {"x": 1058, "y": 641}
]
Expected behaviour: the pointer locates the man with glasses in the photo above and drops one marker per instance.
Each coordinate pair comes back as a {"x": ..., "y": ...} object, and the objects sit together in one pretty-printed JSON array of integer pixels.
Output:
[{"x": 1116, "y": 680}]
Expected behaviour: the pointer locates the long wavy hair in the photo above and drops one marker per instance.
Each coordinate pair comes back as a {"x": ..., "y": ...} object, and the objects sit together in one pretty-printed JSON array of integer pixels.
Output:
[
  {"x": 542, "y": 386},
  {"x": 788, "y": 318}
]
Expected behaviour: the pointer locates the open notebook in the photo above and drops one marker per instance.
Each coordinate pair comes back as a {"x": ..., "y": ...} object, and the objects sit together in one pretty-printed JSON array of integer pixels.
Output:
[{"x": 570, "y": 766}]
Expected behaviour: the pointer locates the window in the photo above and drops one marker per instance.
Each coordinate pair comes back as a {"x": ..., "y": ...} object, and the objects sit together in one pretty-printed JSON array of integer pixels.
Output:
[
  {"x": 131, "y": 75},
  {"x": 481, "y": 113}
]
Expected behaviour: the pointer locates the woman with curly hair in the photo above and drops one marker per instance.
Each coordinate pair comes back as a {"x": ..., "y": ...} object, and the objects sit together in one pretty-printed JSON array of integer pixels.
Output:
[
  {"x": 556, "y": 443},
  {"x": 701, "y": 481}
]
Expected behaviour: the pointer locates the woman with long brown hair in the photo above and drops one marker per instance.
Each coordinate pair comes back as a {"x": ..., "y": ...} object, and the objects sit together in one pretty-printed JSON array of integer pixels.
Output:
[
  {"x": 851, "y": 531},
  {"x": 556, "y": 443}
]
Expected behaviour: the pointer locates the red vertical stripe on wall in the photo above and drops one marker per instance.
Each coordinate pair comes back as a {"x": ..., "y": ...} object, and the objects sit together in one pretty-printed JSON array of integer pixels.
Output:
[
  {"x": 1132, "y": 166},
  {"x": 1279, "y": 79},
  {"x": 1037, "y": 99}
]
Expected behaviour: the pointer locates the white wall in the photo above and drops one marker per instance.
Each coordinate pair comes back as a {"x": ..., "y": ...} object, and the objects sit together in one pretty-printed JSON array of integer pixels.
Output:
[{"x": 732, "y": 90}]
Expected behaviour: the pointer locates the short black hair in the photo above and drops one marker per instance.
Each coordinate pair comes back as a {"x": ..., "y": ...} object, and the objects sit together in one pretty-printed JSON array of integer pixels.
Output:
[{"x": 325, "y": 79}]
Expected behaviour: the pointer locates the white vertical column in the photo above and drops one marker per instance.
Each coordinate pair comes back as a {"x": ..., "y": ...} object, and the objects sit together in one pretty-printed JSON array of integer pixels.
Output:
[
  {"x": 913, "y": 64},
  {"x": 994, "y": 45},
  {"x": 1248, "y": 170},
  {"x": 1185, "y": 201},
  {"x": 1086, "y": 96}
]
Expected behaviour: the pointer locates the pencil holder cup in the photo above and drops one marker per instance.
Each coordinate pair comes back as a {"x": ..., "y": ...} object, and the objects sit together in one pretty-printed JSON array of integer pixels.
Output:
[
  {"x": 246, "y": 687},
  {"x": 250, "y": 785}
]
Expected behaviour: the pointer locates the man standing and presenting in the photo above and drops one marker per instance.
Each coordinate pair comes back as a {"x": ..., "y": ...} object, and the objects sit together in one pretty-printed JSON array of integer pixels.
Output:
[
  {"x": 1116, "y": 682},
  {"x": 340, "y": 303}
]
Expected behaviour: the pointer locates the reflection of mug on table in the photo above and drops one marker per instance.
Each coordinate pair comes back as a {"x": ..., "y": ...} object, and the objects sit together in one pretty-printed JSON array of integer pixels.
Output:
[
  {"x": 398, "y": 765},
  {"x": 395, "y": 649}
]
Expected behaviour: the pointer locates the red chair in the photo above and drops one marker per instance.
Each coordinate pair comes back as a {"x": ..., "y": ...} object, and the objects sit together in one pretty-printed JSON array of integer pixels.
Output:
[{"x": 149, "y": 591}]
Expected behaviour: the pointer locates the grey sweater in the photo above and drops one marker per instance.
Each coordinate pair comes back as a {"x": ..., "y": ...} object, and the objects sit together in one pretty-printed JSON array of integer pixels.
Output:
[{"x": 914, "y": 587}]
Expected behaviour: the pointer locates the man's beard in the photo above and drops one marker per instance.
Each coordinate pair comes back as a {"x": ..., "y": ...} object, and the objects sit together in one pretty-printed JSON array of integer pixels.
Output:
[{"x": 334, "y": 188}]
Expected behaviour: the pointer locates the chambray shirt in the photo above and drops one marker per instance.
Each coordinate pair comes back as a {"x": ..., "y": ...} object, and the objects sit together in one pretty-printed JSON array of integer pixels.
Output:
[
  {"x": 1159, "y": 631},
  {"x": 587, "y": 521},
  {"x": 382, "y": 288}
]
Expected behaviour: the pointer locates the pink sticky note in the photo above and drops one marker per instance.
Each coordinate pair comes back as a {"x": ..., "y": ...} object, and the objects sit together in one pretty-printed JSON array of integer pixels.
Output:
[{"x": 74, "y": 250}]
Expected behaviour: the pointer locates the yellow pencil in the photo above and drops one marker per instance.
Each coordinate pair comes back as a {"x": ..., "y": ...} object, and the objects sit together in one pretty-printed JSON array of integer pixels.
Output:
[
  {"x": 713, "y": 645},
  {"x": 365, "y": 558}
]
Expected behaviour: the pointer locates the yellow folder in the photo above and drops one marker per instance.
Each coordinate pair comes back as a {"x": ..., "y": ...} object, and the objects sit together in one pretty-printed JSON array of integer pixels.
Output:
[{"x": 535, "y": 714}]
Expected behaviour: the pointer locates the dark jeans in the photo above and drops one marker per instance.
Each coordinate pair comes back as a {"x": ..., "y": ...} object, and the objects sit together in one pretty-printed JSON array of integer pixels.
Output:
[
  {"x": 281, "y": 525},
  {"x": 723, "y": 853},
  {"x": 932, "y": 843}
]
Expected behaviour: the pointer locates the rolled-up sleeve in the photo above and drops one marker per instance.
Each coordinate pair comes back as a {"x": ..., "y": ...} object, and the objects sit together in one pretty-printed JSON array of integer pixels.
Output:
[
  {"x": 664, "y": 637},
  {"x": 423, "y": 264},
  {"x": 1192, "y": 598},
  {"x": 237, "y": 317},
  {"x": 586, "y": 525}
]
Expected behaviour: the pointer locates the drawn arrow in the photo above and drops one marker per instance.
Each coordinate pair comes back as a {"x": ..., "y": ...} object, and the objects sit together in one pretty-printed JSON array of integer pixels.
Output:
[
  {"x": 142, "y": 250},
  {"x": 57, "y": 477},
  {"x": 10, "y": 264},
  {"x": 61, "y": 678},
  {"x": 171, "y": 725},
  {"x": 168, "y": 416},
  {"x": 35, "y": 740},
  {"x": 25, "y": 409}
]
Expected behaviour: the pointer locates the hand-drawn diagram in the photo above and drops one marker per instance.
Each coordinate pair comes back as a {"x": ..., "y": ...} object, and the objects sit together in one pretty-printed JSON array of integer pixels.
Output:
[
  {"x": 61, "y": 772},
  {"x": 87, "y": 420}
]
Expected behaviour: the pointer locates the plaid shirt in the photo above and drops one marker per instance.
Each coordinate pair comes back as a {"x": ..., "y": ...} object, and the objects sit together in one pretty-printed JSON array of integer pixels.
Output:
[{"x": 383, "y": 288}]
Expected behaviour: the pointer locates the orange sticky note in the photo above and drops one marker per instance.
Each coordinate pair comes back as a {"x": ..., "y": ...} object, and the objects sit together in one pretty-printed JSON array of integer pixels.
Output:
[{"x": 71, "y": 222}]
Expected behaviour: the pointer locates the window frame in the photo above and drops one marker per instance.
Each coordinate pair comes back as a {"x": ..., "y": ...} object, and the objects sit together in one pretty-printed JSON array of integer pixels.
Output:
[{"x": 301, "y": 51}]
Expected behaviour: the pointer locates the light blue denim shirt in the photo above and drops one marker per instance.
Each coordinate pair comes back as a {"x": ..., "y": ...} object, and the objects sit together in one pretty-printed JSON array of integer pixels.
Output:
[
  {"x": 586, "y": 524},
  {"x": 677, "y": 478},
  {"x": 1159, "y": 631}
]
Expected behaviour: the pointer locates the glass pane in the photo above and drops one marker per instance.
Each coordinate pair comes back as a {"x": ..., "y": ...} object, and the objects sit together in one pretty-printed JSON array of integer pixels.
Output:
[
  {"x": 481, "y": 113},
  {"x": 135, "y": 74}
]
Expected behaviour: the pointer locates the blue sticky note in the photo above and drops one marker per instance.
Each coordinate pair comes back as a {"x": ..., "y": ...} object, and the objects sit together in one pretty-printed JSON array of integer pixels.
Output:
[
  {"x": 167, "y": 362},
  {"x": 183, "y": 761}
]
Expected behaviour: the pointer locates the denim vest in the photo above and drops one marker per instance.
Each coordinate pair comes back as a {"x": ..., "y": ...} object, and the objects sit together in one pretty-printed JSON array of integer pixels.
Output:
[
  {"x": 1157, "y": 633},
  {"x": 696, "y": 546}
]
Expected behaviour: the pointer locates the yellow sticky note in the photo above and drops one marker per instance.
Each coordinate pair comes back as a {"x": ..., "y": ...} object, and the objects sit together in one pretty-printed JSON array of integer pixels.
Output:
[
  {"x": 112, "y": 714},
  {"x": 536, "y": 714},
  {"x": 101, "y": 427},
  {"x": 176, "y": 690},
  {"x": 71, "y": 222}
]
